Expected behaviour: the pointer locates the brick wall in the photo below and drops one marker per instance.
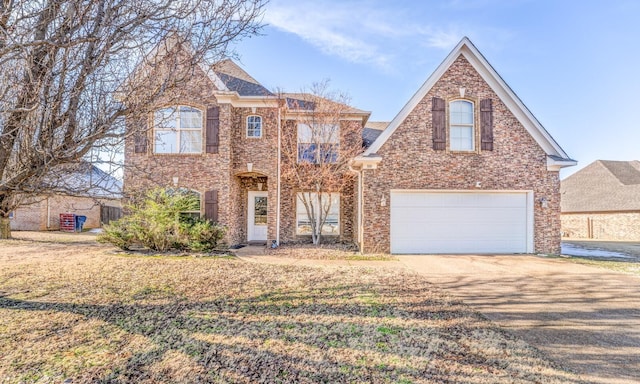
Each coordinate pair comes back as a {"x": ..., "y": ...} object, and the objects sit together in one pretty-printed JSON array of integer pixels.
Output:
[
  {"x": 198, "y": 172},
  {"x": 409, "y": 162},
  {"x": 33, "y": 217},
  {"x": 602, "y": 226}
]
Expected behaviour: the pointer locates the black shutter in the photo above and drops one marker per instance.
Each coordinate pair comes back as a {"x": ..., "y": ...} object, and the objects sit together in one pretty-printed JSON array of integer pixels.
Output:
[
  {"x": 438, "y": 124},
  {"x": 211, "y": 205},
  {"x": 486, "y": 125},
  {"x": 213, "y": 129}
]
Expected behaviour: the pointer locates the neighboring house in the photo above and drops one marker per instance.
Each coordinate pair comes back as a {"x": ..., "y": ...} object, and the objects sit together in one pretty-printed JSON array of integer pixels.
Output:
[
  {"x": 463, "y": 168},
  {"x": 97, "y": 193},
  {"x": 602, "y": 201}
]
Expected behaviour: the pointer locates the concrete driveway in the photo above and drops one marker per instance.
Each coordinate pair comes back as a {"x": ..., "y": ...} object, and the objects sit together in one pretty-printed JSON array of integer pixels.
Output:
[{"x": 586, "y": 318}]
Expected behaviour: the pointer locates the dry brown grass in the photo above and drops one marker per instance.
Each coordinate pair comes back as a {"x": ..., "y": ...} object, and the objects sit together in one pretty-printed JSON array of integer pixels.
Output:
[{"x": 77, "y": 311}]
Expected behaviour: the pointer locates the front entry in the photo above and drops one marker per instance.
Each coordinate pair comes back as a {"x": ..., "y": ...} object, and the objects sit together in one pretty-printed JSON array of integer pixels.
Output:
[{"x": 257, "y": 216}]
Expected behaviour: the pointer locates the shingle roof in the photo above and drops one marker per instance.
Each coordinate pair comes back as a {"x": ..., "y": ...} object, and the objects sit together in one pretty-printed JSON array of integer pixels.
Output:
[
  {"x": 305, "y": 102},
  {"x": 602, "y": 186},
  {"x": 372, "y": 130},
  {"x": 83, "y": 179},
  {"x": 237, "y": 80}
]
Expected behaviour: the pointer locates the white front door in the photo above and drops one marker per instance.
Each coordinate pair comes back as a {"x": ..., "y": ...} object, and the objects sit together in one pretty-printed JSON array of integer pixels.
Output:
[{"x": 257, "y": 216}]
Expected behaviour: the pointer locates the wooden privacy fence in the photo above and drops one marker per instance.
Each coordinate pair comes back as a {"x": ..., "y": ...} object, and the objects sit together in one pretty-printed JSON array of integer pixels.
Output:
[{"x": 108, "y": 214}]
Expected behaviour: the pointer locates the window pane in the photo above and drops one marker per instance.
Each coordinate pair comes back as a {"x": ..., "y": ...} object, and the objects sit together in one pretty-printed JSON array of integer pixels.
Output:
[
  {"x": 461, "y": 138},
  {"x": 166, "y": 142},
  {"x": 330, "y": 201},
  {"x": 190, "y": 118},
  {"x": 461, "y": 112},
  {"x": 254, "y": 126},
  {"x": 165, "y": 118},
  {"x": 304, "y": 134},
  {"x": 329, "y": 153},
  {"x": 191, "y": 141},
  {"x": 307, "y": 153},
  {"x": 260, "y": 210}
]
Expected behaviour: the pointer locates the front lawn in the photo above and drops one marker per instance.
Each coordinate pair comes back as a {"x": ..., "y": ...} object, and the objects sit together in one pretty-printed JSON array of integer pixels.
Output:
[{"x": 80, "y": 311}]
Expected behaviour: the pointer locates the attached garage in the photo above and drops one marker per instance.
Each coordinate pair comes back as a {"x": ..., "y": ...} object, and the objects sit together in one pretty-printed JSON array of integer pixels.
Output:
[{"x": 458, "y": 222}]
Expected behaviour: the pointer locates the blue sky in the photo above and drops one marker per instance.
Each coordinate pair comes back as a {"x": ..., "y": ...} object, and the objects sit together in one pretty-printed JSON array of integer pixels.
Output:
[{"x": 573, "y": 63}]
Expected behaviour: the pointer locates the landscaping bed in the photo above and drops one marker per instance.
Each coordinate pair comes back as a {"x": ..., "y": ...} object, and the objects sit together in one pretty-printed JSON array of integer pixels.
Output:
[
  {"x": 69, "y": 311},
  {"x": 337, "y": 251}
]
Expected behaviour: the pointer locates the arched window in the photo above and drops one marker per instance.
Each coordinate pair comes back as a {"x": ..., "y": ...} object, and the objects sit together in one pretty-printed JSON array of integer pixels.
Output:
[
  {"x": 461, "y": 125},
  {"x": 177, "y": 130},
  {"x": 254, "y": 126},
  {"x": 190, "y": 203}
]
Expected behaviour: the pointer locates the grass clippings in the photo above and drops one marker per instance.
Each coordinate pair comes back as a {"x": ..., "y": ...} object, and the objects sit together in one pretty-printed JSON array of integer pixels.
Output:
[
  {"x": 325, "y": 252},
  {"x": 84, "y": 314}
]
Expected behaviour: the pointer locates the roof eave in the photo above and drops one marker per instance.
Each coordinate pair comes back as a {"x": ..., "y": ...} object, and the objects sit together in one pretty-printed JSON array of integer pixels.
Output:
[{"x": 557, "y": 164}]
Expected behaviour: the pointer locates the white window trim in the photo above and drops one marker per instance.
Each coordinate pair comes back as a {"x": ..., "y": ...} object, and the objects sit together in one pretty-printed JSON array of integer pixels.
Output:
[
  {"x": 332, "y": 195},
  {"x": 178, "y": 129},
  {"x": 472, "y": 125},
  {"x": 247, "y": 127}
]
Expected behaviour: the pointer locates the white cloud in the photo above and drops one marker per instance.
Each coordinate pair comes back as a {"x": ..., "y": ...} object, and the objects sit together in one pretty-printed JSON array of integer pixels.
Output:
[
  {"x": 331, "y": 31},
  {"x": 362, "y": 32}
]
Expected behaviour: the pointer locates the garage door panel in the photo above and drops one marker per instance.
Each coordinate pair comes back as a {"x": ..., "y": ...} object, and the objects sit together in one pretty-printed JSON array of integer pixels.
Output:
[{"x": 458, "y": 222}]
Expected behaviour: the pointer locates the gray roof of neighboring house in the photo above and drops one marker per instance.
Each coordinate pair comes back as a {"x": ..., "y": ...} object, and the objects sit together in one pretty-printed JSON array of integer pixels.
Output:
[
  {"x": 85, "y": 179},
  {"x": 306, "y": 102},
  {"x": 602, "y": 186},
  {"x": 237, "y": 80},
  {"x": 372, "y": 130}
]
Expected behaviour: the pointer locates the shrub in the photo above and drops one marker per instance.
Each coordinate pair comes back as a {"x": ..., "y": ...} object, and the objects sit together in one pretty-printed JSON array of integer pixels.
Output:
[{"x": 158, "y": 221}]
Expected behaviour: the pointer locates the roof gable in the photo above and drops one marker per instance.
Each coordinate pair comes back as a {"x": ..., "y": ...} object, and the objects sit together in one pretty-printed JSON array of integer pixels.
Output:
[
  {"x": 235, "y": 79},
  {"x": 602, "y": 186},
  {"x": 557, "y": 156}
]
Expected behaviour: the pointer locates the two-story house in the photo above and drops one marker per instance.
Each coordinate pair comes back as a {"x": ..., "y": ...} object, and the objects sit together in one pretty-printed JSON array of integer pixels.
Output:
[{"x": 464, "y": 167}]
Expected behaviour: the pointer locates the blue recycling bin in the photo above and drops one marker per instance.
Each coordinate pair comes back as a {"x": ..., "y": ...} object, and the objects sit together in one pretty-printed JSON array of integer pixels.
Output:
[{"x": 80, "y": 220}]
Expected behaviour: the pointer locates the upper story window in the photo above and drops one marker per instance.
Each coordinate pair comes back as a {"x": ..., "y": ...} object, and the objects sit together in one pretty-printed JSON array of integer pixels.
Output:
[
  {"x": 178, "y": 130},
  {"x": 254, "y": 126},
  {"x": 318, "y": 143},
  {"x": 461, "y": 125}
]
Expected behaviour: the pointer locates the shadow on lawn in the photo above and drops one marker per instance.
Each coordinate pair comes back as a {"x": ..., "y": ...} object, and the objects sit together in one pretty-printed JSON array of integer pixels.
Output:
[
  {"x": 298, "y": 336},
  {"x": 590, "y": 322}
]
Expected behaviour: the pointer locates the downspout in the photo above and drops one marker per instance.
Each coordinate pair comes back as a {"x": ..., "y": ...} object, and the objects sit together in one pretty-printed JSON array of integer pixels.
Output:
[
  {"x": 278, "y": 177},
  {"x": 359, "y": 225}
]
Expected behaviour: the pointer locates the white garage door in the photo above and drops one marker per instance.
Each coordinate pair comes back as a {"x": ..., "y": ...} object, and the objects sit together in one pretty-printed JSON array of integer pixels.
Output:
[{"x": 461, "y": 222}]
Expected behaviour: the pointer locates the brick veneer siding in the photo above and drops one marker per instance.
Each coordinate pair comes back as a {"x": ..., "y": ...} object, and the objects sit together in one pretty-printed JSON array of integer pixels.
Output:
[
  {"x": 604, "y": 226},
  {"x": 199, "y": 172},
  {"x": 409, "y": 162},
  {"x": 348, "y": 206},
  {"x": 262, "y": 153}
]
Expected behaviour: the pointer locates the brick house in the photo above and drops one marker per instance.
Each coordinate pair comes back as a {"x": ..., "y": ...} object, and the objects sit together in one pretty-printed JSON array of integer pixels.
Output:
[
  {"x": 96, "y": 192},
  {"x": 464, "y": 167},
  {"x": 602, "y": 201}
]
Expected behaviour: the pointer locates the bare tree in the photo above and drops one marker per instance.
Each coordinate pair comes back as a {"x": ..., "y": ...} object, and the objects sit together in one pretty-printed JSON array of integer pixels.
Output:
[
  {"x": 66, "y": 83},
  {"x": 317, "y": 147}
]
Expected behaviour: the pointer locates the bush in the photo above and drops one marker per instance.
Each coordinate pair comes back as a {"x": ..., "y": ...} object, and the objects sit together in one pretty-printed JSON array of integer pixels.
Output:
[{"x": 158, "y": 222}]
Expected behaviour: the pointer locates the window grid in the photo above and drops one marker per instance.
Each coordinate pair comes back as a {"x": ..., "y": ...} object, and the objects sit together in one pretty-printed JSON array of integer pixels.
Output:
[
  {"x": 331, "y": 225},
  {"x": 254, "y": 126},
  {"x": 178, "y": 130},
  {"x": 461, "y": 125},
  {"x": 319, "y": 144}
]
